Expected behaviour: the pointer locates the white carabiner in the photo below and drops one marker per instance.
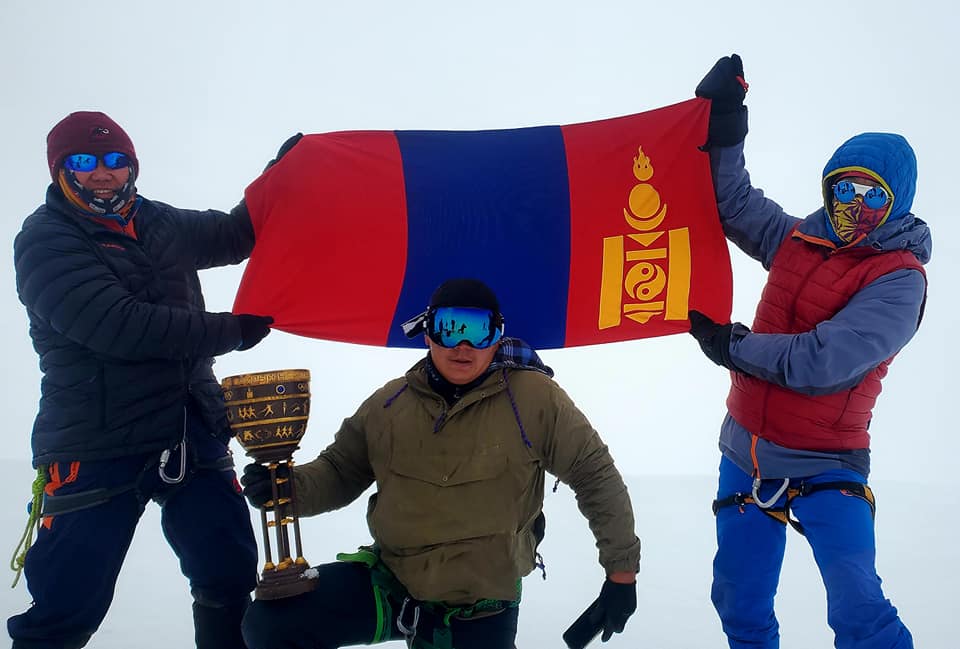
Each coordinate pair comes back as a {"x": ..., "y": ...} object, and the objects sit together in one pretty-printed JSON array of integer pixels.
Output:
[
  {"x": 165, "y": 456},
  {"x": 409, "y": 632},
  {"x": 769, "y": 503}
]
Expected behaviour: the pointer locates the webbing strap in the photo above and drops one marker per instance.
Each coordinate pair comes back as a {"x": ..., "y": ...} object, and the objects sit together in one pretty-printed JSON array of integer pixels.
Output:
[
  {"x": 55, "y": 504},
  {"x": 383, "y": 582},
  {"x": 220, "y": 464},
  {"x": 782, "y": 514}
]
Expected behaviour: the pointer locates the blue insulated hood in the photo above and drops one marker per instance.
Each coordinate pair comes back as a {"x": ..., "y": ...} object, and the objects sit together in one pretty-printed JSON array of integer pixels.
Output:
[{"x": 886, "y": 155}]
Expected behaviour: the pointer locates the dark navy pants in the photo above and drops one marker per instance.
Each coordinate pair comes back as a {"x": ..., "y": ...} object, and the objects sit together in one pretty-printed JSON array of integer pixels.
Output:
[
  {"x": 342, "y": 612},
  {"x": 839, "y": 529},
  {"x": 72, "y": 567}
]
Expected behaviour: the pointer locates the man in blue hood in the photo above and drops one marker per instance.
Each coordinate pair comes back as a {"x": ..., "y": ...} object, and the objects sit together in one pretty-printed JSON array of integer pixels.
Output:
[{"x": 845, "y": 294}]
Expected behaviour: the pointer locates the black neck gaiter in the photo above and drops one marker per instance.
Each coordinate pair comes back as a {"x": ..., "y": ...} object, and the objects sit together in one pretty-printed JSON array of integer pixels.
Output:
[{"x": 451, "y": 392}]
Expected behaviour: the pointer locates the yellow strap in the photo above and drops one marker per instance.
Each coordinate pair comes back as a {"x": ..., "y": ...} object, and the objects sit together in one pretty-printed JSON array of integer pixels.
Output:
[{"x": 33, "y": 519}]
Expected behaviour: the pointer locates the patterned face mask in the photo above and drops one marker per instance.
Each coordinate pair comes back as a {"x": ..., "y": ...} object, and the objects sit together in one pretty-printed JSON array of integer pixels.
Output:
[
  {"x": 86, "y": 200},
  {"x": 857, "y": 209}
]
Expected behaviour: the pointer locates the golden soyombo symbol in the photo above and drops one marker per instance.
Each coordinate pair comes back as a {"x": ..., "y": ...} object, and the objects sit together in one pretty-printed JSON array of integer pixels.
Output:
[
  {"x": 632, "y": 266},
  {"x": 268, "y": 412}
]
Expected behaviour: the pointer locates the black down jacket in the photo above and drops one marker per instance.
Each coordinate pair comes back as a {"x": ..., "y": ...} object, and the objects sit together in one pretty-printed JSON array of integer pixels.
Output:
[{"x": 120, "y": 326}]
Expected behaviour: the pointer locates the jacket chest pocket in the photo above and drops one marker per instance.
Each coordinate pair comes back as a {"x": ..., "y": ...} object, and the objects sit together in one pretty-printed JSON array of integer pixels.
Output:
[{"x": 447, "y": 470}]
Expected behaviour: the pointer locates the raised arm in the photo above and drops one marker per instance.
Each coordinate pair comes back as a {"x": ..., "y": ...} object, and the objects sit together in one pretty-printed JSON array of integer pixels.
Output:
[{"x": 756, "y": 224}]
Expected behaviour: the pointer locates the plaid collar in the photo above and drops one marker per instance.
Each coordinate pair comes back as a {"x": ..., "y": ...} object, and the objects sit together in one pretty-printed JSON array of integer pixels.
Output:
[{"x": 514, "y": 353}]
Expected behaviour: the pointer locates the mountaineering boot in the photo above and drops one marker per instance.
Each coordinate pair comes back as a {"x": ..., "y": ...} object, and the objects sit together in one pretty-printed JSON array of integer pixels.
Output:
[{"x": 218, "y": 627}]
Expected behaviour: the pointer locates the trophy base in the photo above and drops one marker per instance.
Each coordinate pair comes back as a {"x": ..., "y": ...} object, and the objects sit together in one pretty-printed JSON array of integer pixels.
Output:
[{"x": 278, "y": 584}]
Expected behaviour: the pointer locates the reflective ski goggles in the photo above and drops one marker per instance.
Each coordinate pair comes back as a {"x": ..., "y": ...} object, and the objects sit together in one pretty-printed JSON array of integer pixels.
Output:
[
  {"x": 847, "y": 191},
  {"x": 448, "y": 326},
  {"x": 88, "y": 161}
]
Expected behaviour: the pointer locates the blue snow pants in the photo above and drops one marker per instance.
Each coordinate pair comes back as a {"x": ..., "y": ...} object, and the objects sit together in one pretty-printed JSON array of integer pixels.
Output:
[
  {"x": 72, "y": 567},
  {"x": 839, "y": 529}
]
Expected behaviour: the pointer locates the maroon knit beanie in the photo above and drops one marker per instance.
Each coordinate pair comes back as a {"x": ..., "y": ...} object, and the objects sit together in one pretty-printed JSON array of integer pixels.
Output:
[{"x": 87, "y": 132}]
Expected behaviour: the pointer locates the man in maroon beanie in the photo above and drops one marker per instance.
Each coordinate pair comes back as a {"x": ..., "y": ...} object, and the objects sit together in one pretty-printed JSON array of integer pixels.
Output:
[{"x": 130, "y": 410}]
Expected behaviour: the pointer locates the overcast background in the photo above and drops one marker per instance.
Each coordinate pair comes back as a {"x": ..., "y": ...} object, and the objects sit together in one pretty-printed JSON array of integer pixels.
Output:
[{"x": 209, "y": 90}]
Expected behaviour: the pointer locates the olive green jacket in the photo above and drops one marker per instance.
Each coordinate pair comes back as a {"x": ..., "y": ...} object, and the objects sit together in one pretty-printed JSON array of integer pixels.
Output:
[{"x": 459, "y": 489}]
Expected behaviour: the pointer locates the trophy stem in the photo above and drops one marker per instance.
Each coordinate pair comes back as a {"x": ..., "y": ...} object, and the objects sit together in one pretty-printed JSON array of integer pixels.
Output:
[
  {"x": 269, "y": 565},
  {"x": 279, "y": 517},
  {"x": 296, "y": 518}
]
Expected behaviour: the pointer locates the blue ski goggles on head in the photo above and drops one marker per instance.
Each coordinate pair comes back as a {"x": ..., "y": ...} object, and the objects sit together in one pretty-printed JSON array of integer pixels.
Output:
[
  {"x": 846, "y": 191},
  {"x": 88, "y": 161},
  {"x": 448, "y": 326}
]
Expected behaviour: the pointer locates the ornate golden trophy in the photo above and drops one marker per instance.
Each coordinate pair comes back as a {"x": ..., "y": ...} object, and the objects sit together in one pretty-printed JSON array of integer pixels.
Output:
[{"x": 268, "y": 411}]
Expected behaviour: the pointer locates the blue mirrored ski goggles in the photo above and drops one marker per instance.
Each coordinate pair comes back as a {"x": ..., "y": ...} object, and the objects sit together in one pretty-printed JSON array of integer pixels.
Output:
[
  {"x": 847, "y": 191},
  {"x": 449, "y": 326},
  {"x": 88, "y": 161}
]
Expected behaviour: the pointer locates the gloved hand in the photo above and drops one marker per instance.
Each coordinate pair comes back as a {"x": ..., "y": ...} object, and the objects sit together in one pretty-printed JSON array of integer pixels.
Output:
[
  {"x": 608, "y": 613},
  {"x": 257, "y": 487},
  {"x": 715, "y": 338},
  {"x": 284, "y": 149},
  {"x": 726, "y": 88},
  {"x": 253, "y": 329}
]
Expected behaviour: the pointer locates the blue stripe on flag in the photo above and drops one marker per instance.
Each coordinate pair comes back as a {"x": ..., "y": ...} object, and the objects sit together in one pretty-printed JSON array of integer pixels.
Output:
[{"x": 492, "y": 205}]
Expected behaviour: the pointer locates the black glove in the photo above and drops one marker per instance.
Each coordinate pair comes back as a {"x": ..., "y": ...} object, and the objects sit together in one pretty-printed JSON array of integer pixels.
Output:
[
  {"x": 715, "y": 338},
  {"x": 284, "y": 148},
  {"x": 253, "y": 329},
  {"x": 257, "y": 487},
  {"x": 725, "y": 87},
  {"x": 608, "y": 613}
]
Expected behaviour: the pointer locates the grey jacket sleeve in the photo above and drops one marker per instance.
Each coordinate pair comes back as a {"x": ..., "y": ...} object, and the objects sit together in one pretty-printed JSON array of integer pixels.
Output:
[
  {"x": 877, "y": 322},
  {"x": 756, "y": 224}
]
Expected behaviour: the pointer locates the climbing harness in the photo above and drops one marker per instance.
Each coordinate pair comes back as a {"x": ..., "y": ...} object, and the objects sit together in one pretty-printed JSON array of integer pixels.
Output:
[
  {"x": 54, "y": 504},
  {"x": 412, "y": 611},
  {"x": 43, "y": 505},
  {"x": 782, "y": 514}
]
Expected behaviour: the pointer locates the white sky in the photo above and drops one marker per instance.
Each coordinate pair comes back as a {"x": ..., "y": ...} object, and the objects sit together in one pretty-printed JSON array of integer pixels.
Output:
[{"x": 209, "y": 90}]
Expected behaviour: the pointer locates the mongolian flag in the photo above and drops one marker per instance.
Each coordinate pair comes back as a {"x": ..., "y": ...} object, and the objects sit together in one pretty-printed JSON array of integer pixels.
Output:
[{"x": 588, "y": 233}]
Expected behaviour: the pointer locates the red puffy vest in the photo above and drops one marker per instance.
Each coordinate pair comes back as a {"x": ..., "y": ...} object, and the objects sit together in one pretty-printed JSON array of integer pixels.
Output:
[{"x": 808, "y": 284}]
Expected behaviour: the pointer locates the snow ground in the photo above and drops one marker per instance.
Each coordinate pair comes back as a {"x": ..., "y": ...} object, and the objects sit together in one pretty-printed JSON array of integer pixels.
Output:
[{"x": 916, "y": 547}]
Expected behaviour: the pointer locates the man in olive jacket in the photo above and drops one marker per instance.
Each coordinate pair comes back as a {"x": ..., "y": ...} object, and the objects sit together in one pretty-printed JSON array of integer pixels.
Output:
[
  {"x": 458, "y": 449},
  {"x": 130, "y": 410}
]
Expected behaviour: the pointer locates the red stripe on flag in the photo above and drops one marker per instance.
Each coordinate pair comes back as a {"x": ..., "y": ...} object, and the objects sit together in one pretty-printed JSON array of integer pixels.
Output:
[
  {"x": 331, "y": 278},
  {"x": 646, "y": 241}
]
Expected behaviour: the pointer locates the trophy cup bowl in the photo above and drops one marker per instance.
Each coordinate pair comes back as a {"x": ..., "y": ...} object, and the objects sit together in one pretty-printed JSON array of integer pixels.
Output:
[{"x": 268, "y": 412}]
